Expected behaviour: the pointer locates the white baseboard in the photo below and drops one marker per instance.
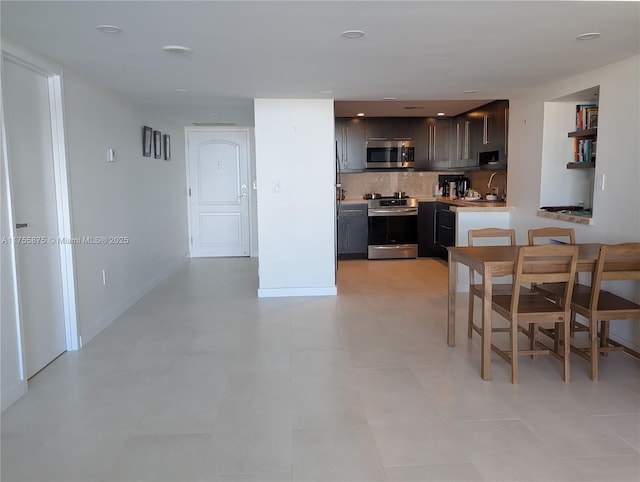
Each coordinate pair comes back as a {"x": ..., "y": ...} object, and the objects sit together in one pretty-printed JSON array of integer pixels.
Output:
[
  {"x": 282, "y": 292},
  {"x": 10, "y": 396},
  {"x": 87, "y": 333}
]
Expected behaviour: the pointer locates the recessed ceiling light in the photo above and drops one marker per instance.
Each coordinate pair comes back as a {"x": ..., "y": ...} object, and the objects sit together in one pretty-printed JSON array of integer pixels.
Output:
[
  {"x": 389, "y": 98},
  {"x": 470, "y": 91},
  {"x": 360, "y": 114},
  {"x": 108, "y": 29},
  {"x": 182, "y": 90},
  {"x": 176, "y": 49},
  {"x": 353, "y": 33},
  {"x": 213, "y": 115},
  {"x": 440, "y": 113},
  {"x": 588, "y": 36}
]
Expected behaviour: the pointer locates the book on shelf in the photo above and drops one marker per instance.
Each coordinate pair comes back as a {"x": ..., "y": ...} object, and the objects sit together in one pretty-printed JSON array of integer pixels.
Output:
[
  {"x": 584, "y": 151},
  {"x": 586, "y": 116},
  {"x": 592, "y": 118}
]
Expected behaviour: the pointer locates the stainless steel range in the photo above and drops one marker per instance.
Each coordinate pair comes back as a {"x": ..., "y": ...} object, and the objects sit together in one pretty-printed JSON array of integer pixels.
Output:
[{"x": 393, "y": 228}]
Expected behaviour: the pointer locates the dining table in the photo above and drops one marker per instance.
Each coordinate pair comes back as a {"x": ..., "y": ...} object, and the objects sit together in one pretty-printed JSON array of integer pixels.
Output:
[{"x": 491, "y": 262}]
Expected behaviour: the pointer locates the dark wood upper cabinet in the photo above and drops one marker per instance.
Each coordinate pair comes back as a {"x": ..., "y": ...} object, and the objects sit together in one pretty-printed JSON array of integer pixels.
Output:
[
  {"x": 392, "y": 128},
  {"x": 351, "y": 145}
]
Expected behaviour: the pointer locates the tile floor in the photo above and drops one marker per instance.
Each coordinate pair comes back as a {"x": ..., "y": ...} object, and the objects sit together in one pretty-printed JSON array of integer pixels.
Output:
[{"x": 202, "y": 381}]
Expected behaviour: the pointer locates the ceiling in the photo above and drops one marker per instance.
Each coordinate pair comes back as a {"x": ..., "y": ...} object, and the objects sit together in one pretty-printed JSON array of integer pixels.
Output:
[{"x": 420, "y": 52}]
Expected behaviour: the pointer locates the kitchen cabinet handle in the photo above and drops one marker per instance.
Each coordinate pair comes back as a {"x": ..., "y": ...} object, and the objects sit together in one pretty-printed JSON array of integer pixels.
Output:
[
  {"x": 506, "y": 130},
  {"x": 433, "y": 145},
  {"x": 403, "y": 138},
  {"x": 484, "y": 131},
  {"x": 465, "y": 150},
  {"x": 346, "y": 148},
  {"x": 21, "y": 225},
  {"x": 458, "y": 141},
  {"x": 378, "y": 139}
]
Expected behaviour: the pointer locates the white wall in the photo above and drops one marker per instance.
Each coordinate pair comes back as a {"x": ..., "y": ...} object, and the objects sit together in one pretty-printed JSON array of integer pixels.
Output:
[
  {"x": 616, "y": 210},
  {"x": 295, "y": 168},
  {"x": 142, "y": 198}
]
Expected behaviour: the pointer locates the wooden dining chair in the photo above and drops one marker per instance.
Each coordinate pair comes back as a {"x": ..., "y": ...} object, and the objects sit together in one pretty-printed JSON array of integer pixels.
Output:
[
  {"x": 508, "y": 237},
  {"x": 557, "y": 235},
  {"x": 620, "y": 262},
  {"x": 538, "y": 264}
]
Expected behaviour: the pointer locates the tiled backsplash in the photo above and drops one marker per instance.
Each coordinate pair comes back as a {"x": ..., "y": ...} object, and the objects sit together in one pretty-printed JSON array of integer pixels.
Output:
[
  {"x": 415, "y": 184},
  {"x": 386, "y": 183}
]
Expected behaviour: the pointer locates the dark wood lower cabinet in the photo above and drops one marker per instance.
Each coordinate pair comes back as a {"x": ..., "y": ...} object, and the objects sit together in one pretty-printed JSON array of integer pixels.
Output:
[
  {"x": 352, "y": 231},
  {"x": 426, "y": 230}
]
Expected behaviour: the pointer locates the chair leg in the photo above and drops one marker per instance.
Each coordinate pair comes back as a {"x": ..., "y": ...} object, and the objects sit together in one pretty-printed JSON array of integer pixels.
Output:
[
  {"x": 533, "y": 336},
  {"x": 566, "y": 348},
  {"x": 593, "y": 349},
  {"x": 514, "y": 352},
  {"x": 604, "y": 336},
  {"x": 470, "y": 320},
  {"x": 574, "y": 325},
  {"x": 557, "y": 338}
]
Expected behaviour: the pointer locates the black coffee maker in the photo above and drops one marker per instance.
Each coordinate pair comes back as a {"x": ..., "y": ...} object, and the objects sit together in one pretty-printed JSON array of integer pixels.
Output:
[{"x": 463, "y": 184}]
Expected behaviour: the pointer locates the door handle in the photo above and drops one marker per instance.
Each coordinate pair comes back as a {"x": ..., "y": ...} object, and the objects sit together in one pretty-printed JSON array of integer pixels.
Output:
[
  {"x": 21, "y": 225},
  {"x": 242, "y": 196}
]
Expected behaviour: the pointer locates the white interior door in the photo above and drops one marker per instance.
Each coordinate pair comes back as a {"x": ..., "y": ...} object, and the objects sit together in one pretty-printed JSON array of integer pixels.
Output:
[
  {"x": 219, "y": 192},
  {"x": 31, "y": 164}
]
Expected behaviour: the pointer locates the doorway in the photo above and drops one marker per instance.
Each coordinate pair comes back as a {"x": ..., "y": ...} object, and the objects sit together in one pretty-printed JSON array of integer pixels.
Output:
[
  {"x": 218, "y": 173},
  {"x": 38, "y": 202}
]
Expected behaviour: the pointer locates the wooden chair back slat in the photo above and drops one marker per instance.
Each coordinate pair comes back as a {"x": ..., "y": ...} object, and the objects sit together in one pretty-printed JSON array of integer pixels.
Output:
[
  {"x": 618, "y": 262},
  {"x": 546, "y": 263},
  {"x": 492, "y": 233},
  {"x": 552, "y": 232}
]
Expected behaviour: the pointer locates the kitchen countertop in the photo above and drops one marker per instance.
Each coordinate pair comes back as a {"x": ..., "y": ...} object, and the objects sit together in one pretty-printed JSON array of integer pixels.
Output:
[{"x": 457, "y": 205}]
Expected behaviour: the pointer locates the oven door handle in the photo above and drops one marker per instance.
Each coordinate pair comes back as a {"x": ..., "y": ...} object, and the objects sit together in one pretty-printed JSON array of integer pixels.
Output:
[{"x": 393, "y": 212}]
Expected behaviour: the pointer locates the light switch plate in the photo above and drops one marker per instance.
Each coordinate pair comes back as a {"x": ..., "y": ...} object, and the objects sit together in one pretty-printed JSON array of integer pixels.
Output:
[
  {"x": 111, "y": 155},
  {"x": 600, "y": 182}
]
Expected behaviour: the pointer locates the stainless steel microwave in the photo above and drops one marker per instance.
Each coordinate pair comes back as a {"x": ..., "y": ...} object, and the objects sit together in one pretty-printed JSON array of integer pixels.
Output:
[{"x": 389, "y": 154}]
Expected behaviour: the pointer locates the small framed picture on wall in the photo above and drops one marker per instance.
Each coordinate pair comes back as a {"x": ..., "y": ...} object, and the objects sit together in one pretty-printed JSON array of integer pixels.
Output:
[
  {"x": 167, "y": 147},
  {"x": 157, "y": 144},
  {"x": 146, "y": 141}
]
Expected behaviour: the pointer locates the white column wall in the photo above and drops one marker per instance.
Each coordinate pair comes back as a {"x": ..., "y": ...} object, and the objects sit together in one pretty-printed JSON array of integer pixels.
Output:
[
  {"x": 616, "y": 212},
  {"x": 295, "y": 169}
]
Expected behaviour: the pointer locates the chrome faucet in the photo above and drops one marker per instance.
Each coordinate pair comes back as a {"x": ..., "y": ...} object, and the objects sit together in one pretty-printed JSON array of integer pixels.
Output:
[{"x": 504, "y": 194}]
